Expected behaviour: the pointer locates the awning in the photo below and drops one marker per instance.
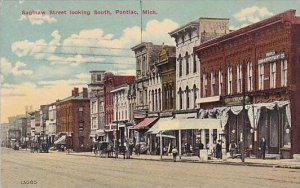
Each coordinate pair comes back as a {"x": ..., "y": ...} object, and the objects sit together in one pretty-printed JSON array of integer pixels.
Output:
[
  {"x": 166, "y": 136},
  {"x": 145, "y": 123},
  {"x": 184, "y": 124},
  {"x": 155, "y": 128},
  {"x": 139, "y": 116},
  {"x": 61, "y": 140},
  {"x": 208, "y": 99},
  {"x": 100, "y": 132}
]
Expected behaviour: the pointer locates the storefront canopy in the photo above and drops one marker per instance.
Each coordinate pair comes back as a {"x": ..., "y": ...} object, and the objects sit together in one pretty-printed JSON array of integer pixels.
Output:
[
  {"x": 145, "y": 123},
  {"x": 155, "y": 128},
  {"x": 61, "y": 140},
  {"x": 184, "y": 124}
]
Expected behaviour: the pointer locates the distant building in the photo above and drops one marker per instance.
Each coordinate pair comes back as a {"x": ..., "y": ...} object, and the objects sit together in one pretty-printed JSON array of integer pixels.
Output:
[
  {"x": 73, "y": 120},
  {"x": 96, "y": 94}
]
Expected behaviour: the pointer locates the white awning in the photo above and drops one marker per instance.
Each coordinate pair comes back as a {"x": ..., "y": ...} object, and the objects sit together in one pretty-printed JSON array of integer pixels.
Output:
[
  {"x": 155, "y": 128},
  {"x": 166, "y": 136},
  {"x": 208, "y": 99},
  {"x": 61, "y": 140},
  {"x": 184, "y": 124}
]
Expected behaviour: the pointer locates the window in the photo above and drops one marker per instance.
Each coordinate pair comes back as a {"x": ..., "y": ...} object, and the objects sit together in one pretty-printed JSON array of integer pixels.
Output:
[
  {"x": 180, "y": 65},
  {"x": 249, "y": 76},
  {"x": 239, "y": 78},
  {"x": 98, "y": 77},
  {"x": 261, "y": 78},
  {"x": 180, "y": 98},
  {"x": 94, "y": 123},
  {"x": 220, "y": 82},
  {"x": 273, "y": 75},
  {"x": 194, "y": 64},
  {"x": 81, "y": 126},
  {"x": 94, "y": 107},
  {"x": 187, "y": 90},
  {"x": 284, "y": 73},
  {"x": 212, "y": 83},
  {"x": 229, "y": 80},
  {"x": 195, "y": 95},
  {"x": 204, "y": 87},
  {"x": 187, "y": 63}
]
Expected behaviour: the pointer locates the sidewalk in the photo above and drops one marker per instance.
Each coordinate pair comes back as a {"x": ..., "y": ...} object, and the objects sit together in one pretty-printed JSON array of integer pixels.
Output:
[{"x": 280, "y": 163}]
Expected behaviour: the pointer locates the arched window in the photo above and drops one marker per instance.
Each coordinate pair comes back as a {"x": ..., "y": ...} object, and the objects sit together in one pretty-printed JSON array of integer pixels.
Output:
[
  {"x": 152, "y": 97},
  {"x": 195, "y": 94},
  {"x": 156, "y": 100},
  {"x": 187, "y": 63},
  {"x": 180, "y": 65},
  {"x": 159, "y": 99},
  {"x": 187, "y": 97},
  {"x": 180, "y": 98}
]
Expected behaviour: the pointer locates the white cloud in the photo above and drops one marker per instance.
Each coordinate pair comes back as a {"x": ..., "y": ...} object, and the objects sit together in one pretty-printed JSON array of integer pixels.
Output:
[
  {"x": 16, "y": 96},
  {"x": 252, "y": 14},
  {"x": 16, "y": 70},
  {"x": 27, "y": 48},
  {"x": 38, "y": 19}
]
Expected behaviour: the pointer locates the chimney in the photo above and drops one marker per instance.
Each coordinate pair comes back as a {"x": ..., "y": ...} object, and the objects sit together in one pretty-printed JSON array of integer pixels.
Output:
[
  {"x": 76, "y": 91},
  {"x": 73, "y": 93},
  {"x": 84, "y": 92}
]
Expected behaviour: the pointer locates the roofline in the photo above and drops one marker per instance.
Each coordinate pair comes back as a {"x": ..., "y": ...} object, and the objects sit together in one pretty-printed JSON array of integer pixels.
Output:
[{"x": 246, "y": 30}]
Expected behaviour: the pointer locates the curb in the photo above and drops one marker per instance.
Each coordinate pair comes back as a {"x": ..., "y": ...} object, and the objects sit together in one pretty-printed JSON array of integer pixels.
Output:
[{"x": 204, "y": 162}]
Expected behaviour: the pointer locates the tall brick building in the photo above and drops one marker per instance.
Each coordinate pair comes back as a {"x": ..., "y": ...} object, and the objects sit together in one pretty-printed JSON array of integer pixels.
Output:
[
  {"x": 73, "y": 120},
  {"x": 260, "y": 61}
]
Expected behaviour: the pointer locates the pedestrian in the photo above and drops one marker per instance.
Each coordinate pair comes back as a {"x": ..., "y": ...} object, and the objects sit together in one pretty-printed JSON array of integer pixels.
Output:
[
  {"x": 201, "y": 147},
  {"x": 232, "y": 149},
  {"x": 263, "y": 147},
  {"x": 219, "y": 150},
  {"x": 174, "y": 153}
]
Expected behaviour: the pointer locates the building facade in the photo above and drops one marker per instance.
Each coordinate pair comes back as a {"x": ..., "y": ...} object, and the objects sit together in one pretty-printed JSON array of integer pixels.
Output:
[
  {"x": 96, "y": 92},
  {"x": 187, "y": 64},
  {"x": 73, "y": 120},
  {"x": 146, "y": 54},
  {"x": 256, "y": 64}
]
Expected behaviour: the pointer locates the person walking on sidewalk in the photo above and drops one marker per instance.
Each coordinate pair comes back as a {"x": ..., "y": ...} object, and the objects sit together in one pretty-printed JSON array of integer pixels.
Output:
[
  {"x": 232, "y": 149},
  {"x": 174, "y": 153},
  {"x": 219, "y": 150},
  {"x": 263, "y": 147}
]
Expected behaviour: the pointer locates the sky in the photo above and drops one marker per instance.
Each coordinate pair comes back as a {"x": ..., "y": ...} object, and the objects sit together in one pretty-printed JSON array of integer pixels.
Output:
[{"x": 42, "y": 57}]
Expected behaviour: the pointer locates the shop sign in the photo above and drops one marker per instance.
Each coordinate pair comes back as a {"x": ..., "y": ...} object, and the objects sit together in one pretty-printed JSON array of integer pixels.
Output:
[
  {"x": 236, "y": 101},
  {"x": 271, "y": 56}
]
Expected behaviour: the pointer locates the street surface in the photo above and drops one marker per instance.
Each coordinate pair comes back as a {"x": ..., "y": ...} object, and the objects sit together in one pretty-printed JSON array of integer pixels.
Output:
[{"x": 59, "y": 170}]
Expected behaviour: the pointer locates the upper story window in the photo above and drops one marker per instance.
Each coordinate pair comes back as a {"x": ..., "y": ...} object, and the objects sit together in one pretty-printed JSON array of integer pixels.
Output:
[
  {"x": 220, "y": 82},
  {"x": 261, "y": 76},
  {"x": 187, "y": 63},
  {"x": 249, "y": 76},
  {"x": 284, "y": 73},
  {"x": 99, "y": 78},
  {"x": 273, "y": 75},
  {"x": 212, "y": 83},
  {"x": 239, "y": 78},
  {"x": 195, "y": 95},
  {"x": 94, "y": 107},
  {"x": 229, "y": 80},
  {"x": 180, "y": 98},
  {"x": 194, "y": 64},
  {"x": 187, "y": 90},
  {"x": 180, "y": 65},
  {"x": 204, "y": 87}
]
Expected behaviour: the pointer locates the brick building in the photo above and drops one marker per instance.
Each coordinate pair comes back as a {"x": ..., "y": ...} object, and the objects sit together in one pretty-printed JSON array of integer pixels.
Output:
[
  {"x": 110, "y": 82},
  {"x": 73, "y": 120},
  {"x": 258, "y": 62}
]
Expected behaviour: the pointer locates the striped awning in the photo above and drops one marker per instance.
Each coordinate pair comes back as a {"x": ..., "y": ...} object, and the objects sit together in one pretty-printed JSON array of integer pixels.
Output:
[{"x": 145, "y": 123}]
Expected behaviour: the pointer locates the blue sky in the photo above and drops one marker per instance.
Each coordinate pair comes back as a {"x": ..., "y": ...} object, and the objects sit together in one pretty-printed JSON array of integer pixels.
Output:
[{"x": 43, "y": 57}]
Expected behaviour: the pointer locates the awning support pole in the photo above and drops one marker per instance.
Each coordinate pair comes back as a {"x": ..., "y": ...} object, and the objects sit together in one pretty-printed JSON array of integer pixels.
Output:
[
  {"x": 161, "y": 145},
  {"x": 179, "y": 147}
]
